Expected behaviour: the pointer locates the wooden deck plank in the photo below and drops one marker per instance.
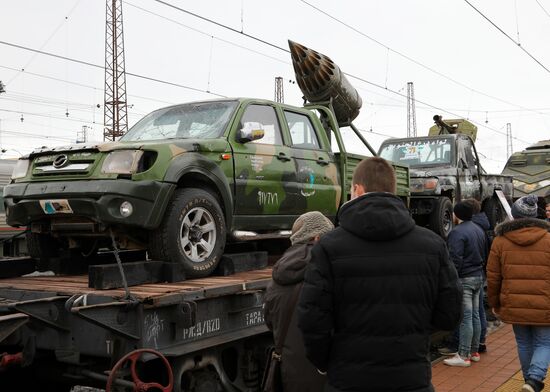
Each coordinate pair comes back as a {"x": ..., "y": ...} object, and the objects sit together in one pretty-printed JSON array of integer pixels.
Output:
[{"x": 78, "y": 284}]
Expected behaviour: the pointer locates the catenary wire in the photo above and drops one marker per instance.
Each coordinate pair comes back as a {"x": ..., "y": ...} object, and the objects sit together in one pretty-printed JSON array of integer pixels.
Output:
[{"x": 507, "y": 36}]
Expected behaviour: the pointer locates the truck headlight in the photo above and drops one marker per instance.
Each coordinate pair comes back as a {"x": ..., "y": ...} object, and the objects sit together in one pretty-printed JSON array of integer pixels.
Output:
[
  {"x": 20, "y": 169},
  {"x": 122, "y": 162},
  {"x": 423, "y": 184}
]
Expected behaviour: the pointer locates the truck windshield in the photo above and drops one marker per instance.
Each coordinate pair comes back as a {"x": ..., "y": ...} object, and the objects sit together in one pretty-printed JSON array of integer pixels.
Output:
[
  {"x": 421, "y": 152},
  {"x": 203, "y": 120}
]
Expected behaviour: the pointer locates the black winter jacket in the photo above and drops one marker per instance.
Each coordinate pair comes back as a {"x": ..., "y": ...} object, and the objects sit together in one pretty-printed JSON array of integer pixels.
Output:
[
  {"x": 298, "y": 374},
  {"x": 375, "y": 288},
  {"x": 468, "y": 249}
]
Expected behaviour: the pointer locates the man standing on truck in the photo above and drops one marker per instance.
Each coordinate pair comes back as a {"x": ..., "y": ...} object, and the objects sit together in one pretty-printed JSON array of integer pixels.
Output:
[{"x": 375, "y": 288}]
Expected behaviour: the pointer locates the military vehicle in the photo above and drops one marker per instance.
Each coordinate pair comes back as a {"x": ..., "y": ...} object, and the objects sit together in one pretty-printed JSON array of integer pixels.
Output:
[
  {"x": 531, "y": 171},
  {"x": 188, "y": 177},
  {"x": 445, "y": 168}
]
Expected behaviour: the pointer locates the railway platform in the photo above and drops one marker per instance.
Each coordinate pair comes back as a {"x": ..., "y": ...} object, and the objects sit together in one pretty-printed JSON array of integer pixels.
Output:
[{"x": 498, "y": 370}]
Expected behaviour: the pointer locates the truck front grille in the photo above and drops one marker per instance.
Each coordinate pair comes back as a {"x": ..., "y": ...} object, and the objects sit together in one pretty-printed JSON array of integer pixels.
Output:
[{"x": 69, "y": 163}]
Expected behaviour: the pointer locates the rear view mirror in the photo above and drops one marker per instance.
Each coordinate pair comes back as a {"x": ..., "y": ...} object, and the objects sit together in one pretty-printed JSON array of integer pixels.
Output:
[{"x": 250, "y": 131}]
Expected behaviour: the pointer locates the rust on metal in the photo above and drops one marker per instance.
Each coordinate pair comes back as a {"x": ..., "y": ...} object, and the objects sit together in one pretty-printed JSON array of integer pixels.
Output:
[{"x": 321, "y": 80}]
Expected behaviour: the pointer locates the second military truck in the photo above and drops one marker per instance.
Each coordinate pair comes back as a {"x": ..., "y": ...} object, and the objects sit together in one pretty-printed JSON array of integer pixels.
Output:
[{"x": 445, "y": 168}]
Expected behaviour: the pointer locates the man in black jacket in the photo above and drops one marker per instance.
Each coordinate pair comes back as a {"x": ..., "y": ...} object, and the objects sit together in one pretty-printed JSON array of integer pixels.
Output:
[{"x": 375, "y": 288}]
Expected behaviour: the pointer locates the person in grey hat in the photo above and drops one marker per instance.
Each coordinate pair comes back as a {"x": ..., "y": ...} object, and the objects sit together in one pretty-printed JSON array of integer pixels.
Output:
[
  {"x": 518, "y": 287},
  {"x": 525, "y": 207},
  {"x": 298, "y": 374}
]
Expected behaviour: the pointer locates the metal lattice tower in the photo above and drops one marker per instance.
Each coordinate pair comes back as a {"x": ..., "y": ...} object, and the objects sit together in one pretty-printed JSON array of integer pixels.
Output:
[
  {"x": 116, "y": 109},
  {"x": 509, "y": 147},
  {"x": 279, "y": 93},
  {"x": 411, "y": 111}
]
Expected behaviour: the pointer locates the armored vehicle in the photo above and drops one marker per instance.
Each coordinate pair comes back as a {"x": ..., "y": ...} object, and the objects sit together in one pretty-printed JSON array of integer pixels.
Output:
[
  {"x": 188, "y": 177},
  {"x": 444, "y": 169},
  {"x": 531, "y": 171}
]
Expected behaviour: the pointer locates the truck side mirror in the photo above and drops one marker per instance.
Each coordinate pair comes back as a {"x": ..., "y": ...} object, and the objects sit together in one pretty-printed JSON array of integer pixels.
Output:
[{"x": 250, "y": 131}]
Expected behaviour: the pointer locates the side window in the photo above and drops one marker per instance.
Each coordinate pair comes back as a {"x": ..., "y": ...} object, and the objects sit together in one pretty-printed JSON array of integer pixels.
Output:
[
  {"x": 266, "y": 116},
  {"x": 302, "y": 132},
  {"x": 468, "y": 153}
]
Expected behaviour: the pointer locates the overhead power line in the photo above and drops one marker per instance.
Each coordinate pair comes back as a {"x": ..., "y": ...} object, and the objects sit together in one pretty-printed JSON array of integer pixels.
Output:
[
  {"x": 102, "y": 67},
  {"x": 544, "y": 9},
  {"x": 288, "y": 51},
  {"x": 82, "y": 85},
  {"x": 240, "y": 33},
  {"x": 507, "y": 36},
  {"x": 412, "y": 60}
]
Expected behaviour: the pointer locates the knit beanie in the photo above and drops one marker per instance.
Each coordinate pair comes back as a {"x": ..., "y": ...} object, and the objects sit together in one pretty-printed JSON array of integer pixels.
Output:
[
  {"x": 525, "y": 207},
  {"x": 308, "y": 226},
  {"x": 463, "y": 211}
]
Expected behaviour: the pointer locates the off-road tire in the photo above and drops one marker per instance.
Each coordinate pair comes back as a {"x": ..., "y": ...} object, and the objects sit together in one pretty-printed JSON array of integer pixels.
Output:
[
  {"x": 165, "y": 243},
  {"x": 441, "y": 217}
]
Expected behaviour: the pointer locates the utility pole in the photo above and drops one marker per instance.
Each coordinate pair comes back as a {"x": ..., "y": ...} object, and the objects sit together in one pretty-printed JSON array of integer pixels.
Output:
[
  {"x": 411, "y": 111},
  {"x": 279, "y": 93},
  {"x": 509, "y": 147},
  {"x": 115, "y": 109}
]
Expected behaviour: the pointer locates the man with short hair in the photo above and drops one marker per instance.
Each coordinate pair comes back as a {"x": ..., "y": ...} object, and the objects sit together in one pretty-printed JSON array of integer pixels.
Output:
[
  {"x": 467, "y": 247},
  {"x": 548, "y": 211},
  {"x": 375, "y": 288}
]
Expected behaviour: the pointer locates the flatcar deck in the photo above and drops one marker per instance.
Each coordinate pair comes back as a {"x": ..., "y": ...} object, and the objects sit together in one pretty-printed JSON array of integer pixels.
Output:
[{"x": 197, "y": 288}]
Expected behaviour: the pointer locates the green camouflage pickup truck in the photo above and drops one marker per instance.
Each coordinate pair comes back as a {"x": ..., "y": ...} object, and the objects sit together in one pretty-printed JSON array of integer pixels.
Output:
[
  {"x": 187, "y": 178},
  {"x": 184, "y": 179}
]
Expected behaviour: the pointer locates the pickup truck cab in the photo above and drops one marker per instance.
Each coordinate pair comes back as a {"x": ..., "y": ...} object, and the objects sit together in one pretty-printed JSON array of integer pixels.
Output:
[
  {"x": 445, "y": 169},
  {"x": 185, "y": 179}
]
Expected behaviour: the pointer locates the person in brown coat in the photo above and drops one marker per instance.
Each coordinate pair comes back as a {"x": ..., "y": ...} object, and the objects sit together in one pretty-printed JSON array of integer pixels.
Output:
[
  {"x": 298, "y": 374},
  {"x": 518, "y": 278}
]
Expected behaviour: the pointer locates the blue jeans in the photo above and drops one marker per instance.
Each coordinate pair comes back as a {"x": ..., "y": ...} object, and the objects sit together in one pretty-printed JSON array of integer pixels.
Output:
[
  {"x": 533, "y": 350},
  {"x": 470, "y": 328}
]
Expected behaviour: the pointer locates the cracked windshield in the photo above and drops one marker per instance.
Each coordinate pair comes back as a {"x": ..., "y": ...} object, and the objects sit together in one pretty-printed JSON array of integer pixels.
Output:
[{"x": 197, "y": 121}]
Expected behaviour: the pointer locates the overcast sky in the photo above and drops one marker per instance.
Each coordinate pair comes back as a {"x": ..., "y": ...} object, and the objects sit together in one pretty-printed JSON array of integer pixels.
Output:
[{"x": 461, "y": 65}]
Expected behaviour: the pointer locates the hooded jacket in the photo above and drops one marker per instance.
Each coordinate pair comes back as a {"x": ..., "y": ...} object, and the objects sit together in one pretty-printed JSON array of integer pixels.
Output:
[
  {"x": 467, "y": 247},
  {"x": 375, "y": 289},
  {"x": 298, "y": 374},
  {"x": 518, "y": 272},
  {"x": 482, "y": 221}
]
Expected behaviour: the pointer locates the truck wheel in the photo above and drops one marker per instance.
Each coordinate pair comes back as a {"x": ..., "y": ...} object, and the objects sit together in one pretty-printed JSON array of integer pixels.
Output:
[
  {"x": 192, "y": 232},
  {"x": 441, "y": 217},
  {"x": 494, "y": 211},
  {"x": 42, "y": 247}
]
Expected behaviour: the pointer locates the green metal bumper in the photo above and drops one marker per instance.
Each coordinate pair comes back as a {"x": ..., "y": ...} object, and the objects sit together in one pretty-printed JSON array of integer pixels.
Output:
[{"x": 98, "y": 200}]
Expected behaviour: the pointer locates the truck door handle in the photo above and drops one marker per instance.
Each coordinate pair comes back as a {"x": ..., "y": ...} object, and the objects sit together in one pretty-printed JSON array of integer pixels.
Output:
[
  {"x": 321, "y": 161},
  {"x": 283, "y": 157}
]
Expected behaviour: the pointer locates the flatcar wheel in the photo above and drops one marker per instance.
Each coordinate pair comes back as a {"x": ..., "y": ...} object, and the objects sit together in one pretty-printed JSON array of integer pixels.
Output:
[{"x": 140, "y": 386}]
